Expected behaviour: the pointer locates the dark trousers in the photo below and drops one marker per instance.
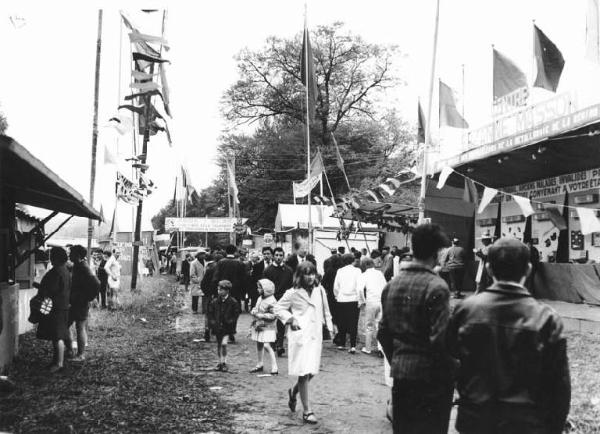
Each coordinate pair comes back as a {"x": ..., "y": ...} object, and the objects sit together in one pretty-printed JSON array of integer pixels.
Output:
[
  {"x": 205, "y": 301},
  {"x": 500, "y": 419},
  {"x": 195, "y": 303},
  {"x": 421, "y": 407},
  {"x": 280, "y": 335},
  {"x": 102, "y": 294},
  {"x": 457, "y": 276},
  {"x": 347, "y": 322}
]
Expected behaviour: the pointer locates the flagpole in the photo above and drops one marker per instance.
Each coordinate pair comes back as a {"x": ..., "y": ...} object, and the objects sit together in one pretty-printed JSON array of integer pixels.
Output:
[
  {"x": 138, "y": 218},
  {"x": 429, "y": 110},
  {"x": 306, "y": 82},
  {"x": 94, "y": 133},
  {"x": 462, "y": 108}
]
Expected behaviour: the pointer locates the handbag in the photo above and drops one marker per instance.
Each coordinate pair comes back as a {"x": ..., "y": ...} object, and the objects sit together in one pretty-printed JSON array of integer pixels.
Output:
[
  {"x": 326, "y": 334},
  {"x": 39, "y": 307}
]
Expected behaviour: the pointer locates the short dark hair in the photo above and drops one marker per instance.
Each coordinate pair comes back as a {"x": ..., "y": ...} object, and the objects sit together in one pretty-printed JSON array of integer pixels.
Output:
[
  {"x": 278, "y": 249},
  {"x": 375, "y": 253},
  {"x": 508, "y": 259},
  {"x": 342, "y": 250},
  {"x": 427, "y": 240},
  {"x": 357, "y": 254},
  {"x": 225, "y": 284},
  {"x": 347, "y": 259},
  {"x": 209, "y": 257},
  {"x": 297, "y": 245},
  {"x": 58, "y": 255},
  {"x": 267, "y": 248},
  {"x": 230, "y": 249},
  {"x": 107, "y": 253},
  {"x": 79, "y": 251},
  {"x": 305, "y": 267}
]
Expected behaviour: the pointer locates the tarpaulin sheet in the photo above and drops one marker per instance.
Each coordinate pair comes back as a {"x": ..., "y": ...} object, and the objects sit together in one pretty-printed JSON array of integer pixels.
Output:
[{"x": 573, "y": 283}]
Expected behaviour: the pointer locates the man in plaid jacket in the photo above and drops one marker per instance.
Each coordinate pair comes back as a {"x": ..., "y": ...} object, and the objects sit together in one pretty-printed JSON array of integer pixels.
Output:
[{"x": 412, "y": 333}]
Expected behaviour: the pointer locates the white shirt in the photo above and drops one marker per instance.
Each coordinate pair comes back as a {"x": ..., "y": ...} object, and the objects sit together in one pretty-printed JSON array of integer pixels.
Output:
[
  {"x": 345, "y": 286},
  {"x": 373, "y": 281}
]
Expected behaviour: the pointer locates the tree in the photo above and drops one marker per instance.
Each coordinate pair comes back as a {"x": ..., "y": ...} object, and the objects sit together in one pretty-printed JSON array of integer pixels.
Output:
[
  {"x": 3, "y": 123},
  {"x": 351, "y": 74}
]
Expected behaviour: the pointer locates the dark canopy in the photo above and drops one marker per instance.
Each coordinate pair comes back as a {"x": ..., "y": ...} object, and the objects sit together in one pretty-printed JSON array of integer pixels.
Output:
[{"x": 27, "y": 180}]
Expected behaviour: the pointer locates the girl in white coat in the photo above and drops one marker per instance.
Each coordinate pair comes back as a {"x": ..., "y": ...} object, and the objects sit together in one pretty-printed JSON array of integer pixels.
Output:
[
  {"x": 264, "y": 327},
  {"x": 304, "y": 308}
]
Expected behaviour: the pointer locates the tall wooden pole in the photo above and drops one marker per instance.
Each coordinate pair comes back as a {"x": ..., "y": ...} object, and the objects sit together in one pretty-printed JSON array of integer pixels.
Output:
[
  {"x": 306, "y": 83},
  {"x": 144, "y": 156},
  {"x": 94, "y": 133},
  {"x": 429, "y": 112}
]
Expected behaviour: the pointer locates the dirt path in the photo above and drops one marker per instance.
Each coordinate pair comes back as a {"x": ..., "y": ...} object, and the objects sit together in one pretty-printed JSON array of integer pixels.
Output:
[{"x": 349, "y": 394}]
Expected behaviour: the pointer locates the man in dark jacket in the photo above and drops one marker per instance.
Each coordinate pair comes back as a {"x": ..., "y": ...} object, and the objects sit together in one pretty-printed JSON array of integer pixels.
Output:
[
  {"x": 454, "y": 260},
  {"x": 84, "y": 288},
  {"x": 209, "y": 289},
  {"x": 232, "y": 269},
  {"x": 282, "y": 277},
  {"x": 412, "y": 333},
  {"x": 300, "y": 256},
  {"x": 514, "y": 372}
]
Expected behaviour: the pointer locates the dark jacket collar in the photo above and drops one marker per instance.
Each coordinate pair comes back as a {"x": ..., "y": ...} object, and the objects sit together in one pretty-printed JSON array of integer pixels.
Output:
[
  {"x": 413, "y": 266},
  {"x": 509, "y": 288}
]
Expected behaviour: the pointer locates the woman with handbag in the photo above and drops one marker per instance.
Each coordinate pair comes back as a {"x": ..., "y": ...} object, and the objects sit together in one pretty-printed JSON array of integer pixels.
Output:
[
  {"x": 264, "y": 327},
  {"x": 305, "y": 310},
  {"x": 56, "y": 285}
]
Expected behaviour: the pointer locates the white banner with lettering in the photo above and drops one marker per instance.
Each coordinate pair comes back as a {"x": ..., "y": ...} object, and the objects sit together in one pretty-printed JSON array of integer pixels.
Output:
[{"x": 202, "y": 224}]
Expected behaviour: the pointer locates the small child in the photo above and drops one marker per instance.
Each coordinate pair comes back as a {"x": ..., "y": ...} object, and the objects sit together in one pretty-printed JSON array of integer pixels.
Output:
[
  {"x": 222, "y": 315},
  {"x": 264, "y": 327}
]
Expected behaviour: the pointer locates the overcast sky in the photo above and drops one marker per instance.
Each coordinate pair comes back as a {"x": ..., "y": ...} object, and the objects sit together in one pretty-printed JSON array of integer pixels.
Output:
[{"x": 47, "y": 73}]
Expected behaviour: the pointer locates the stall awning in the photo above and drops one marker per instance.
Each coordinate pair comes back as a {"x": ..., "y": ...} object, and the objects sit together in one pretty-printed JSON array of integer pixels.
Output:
[
  {"x": 29, "y": 181},
  {"x": 573, "y": 151}
]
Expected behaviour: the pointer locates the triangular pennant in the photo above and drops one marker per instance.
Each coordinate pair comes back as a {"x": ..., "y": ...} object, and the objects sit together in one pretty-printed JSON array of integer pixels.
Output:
[
  {"x": 589, "y": 221},
  {"x": 488, "y": 196},
  {"x": 444, "y": 174},
  {"x": 144, "y": 86},
  {"x": 470, "y": 194},
  {"x": 373, "y": 195},
  {"x": 525, "y": 205},
  {"x": 148, "y": 58},
  {"x": 555, "y": 216}
]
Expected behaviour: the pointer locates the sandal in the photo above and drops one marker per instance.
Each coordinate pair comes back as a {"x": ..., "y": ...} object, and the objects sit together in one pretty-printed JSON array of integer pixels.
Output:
[
  {"x": 309, "y": 418},
  {"x": 292, "y": 400}
]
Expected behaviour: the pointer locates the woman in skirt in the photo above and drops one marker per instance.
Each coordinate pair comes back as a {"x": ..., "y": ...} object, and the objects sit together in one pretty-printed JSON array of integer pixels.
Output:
[{"x": 264, "y": 328}]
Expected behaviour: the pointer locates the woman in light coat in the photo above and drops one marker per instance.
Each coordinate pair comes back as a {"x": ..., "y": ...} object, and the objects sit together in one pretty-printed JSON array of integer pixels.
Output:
[
  {"x": 305, "y": 309},
  {"x": 113, "y": 269}
]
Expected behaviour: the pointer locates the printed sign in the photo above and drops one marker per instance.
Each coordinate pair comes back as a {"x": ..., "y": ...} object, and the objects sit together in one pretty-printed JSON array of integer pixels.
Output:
[{"x": 200, "y": 224}]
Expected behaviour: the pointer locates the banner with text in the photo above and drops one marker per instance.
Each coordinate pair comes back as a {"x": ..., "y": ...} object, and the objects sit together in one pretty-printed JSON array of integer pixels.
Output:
[{"x": 202, "y": 224}]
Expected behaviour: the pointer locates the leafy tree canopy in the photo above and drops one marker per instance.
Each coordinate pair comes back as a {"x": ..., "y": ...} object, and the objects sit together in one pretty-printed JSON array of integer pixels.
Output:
[{"x": 352, "y": 76}]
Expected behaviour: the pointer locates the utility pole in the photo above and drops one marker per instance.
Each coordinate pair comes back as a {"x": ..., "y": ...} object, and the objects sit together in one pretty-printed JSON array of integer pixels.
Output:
[{"x": 94, "y": 133}]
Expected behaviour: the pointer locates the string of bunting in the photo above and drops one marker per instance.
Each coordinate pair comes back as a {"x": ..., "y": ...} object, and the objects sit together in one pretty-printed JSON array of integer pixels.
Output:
[{"x": 587, "y": 216}]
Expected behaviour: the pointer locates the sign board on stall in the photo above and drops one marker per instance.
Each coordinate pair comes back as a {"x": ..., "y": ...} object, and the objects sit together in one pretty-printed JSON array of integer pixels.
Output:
[
  {"x": 202, "y": 224},
  {"x": 529, "y": 125}
]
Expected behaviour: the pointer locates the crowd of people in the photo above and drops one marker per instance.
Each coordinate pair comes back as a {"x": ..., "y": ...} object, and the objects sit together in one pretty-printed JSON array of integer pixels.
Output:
[{"x": 500, "y": 349}]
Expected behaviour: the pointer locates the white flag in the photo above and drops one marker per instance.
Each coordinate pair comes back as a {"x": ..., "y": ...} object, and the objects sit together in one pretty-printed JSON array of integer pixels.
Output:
[
  {"x": 589, "y": 221},
  {"x": 304, "y": 188},
  {"x": 592, "y": 36},
  {"x": 525, "y": 205},
  {"x": 444, "y": 174},
  {"x": 488, "y": 196}
]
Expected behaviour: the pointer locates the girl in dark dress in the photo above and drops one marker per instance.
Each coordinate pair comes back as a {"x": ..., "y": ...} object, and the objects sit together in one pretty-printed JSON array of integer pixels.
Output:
[{"x": 56, "y": 284}]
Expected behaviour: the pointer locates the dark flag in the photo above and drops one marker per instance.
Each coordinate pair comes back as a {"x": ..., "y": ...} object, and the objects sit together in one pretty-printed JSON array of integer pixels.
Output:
[
  {"x": 549, "y": 60},
  {"x": 421, "y": 126},
  {"x": 307, "y": 73},
  {"x": 449, "y": 115},
  {"x": 507, "y": 76}
]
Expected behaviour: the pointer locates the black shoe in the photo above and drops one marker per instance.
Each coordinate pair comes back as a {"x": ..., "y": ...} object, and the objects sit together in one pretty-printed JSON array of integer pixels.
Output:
[
  {"x": 224, "y": 367},
  {"x": 231, "y": 339},
  {"x": 219, "y": 367},
  {"x": 280, "y": 352},
  {"x": 256, "y": 369}
]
